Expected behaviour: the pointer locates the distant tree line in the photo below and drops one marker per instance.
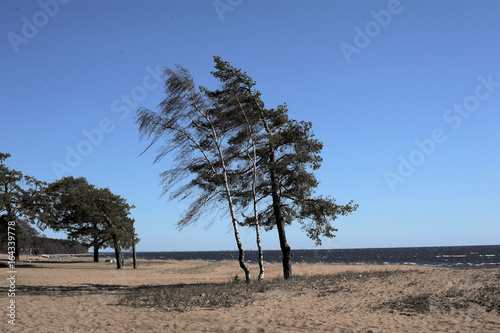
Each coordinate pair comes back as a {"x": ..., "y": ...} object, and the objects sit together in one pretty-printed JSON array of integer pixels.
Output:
[
  {"x": 35, "y": 243},
  {"x": 90, "y": 216}
]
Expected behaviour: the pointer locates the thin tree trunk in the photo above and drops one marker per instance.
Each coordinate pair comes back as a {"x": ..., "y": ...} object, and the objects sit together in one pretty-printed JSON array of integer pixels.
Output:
[
  {"x": 241, "y": 251},
  {"x": 96, "y": 253},
  {"x": 253, "y": 161},
  {"x": 134, "y": 256},
  {"x": 241, "y": 257},
  {"x": 256, "y": 215},
  {"x": 261, "y": 253}
]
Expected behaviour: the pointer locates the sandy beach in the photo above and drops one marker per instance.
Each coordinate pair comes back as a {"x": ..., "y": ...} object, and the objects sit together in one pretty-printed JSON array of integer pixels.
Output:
[{"x": 77, "y": 295}]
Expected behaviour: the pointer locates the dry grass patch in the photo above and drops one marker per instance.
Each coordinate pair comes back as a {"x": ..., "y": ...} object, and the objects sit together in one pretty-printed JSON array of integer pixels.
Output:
[
  {"x": 185, "y": 297},
  {"x": 407, "y": 292},
  {"x": 484, "y": 292}
]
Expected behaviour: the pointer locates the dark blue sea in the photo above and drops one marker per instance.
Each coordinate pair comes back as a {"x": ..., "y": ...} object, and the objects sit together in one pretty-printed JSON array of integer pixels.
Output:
[{"x": 449, "y": 256}]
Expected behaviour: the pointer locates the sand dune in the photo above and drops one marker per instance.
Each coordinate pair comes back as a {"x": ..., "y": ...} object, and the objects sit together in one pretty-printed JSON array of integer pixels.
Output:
[{"x": 75, "y": 295}]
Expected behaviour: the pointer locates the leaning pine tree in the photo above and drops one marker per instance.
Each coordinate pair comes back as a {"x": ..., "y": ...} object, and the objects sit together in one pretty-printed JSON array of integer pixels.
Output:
[
  {"x": 243, "y": 149},
  {"x": 197, "y": 130},
  {"x": 287, "y": 155}
]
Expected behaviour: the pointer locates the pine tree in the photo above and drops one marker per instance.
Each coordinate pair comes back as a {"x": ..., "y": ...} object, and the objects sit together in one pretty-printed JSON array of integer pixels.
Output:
[
  {"x": 196, "y": 130},
  {"x": 288, "y": 154},
  {"x": 90, "y": 213}
]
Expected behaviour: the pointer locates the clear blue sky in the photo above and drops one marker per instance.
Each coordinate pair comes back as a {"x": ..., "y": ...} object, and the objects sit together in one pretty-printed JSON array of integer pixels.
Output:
[{"x": 404, "y": 95}]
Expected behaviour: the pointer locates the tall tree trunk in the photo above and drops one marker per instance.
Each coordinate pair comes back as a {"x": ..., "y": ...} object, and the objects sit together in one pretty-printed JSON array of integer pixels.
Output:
[
  {"x": 261, "y": 253},
  {"x": 280, "y": 223},
  {"x": 114, "y": 238},
  {"x": 257, "y": 224},
  {"x": 96, "y": 253},
  {"x": 241, "y": 256},
  {"x": 241, "y": 251},
  {"x": 253, "y": 160},
  {"x": 118, "y": 252},
  {"x": 134, "y": 256}
]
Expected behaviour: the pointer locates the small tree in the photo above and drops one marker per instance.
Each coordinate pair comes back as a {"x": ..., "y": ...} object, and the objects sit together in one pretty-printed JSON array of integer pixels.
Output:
[
  {"x": 128, "y": 238},
  {"x": 87, "y": 212}
]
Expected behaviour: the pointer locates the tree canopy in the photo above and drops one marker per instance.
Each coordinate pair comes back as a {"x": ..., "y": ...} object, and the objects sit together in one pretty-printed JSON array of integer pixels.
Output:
[
  {"x": 89, "y": 215},
  {"x": 94, "y": 216}
]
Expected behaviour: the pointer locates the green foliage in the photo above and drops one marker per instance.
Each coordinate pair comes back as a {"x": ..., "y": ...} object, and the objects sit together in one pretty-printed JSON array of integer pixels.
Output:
[
  {"x": 73, "y": 213},
  {"x": 287, "y": 152},
  {"x": 187, "y": 126},
  {"x": 21, "y": 199},
  {"x": 94, "y": 216}
]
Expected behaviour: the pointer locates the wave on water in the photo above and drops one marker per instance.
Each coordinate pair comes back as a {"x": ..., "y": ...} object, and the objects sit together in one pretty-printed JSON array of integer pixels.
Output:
[{"x": 450, "y": 256}]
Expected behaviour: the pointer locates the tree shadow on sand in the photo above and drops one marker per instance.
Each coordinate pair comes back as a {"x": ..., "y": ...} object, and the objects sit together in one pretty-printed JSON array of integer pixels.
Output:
[{"x": 83, "y": 289}]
